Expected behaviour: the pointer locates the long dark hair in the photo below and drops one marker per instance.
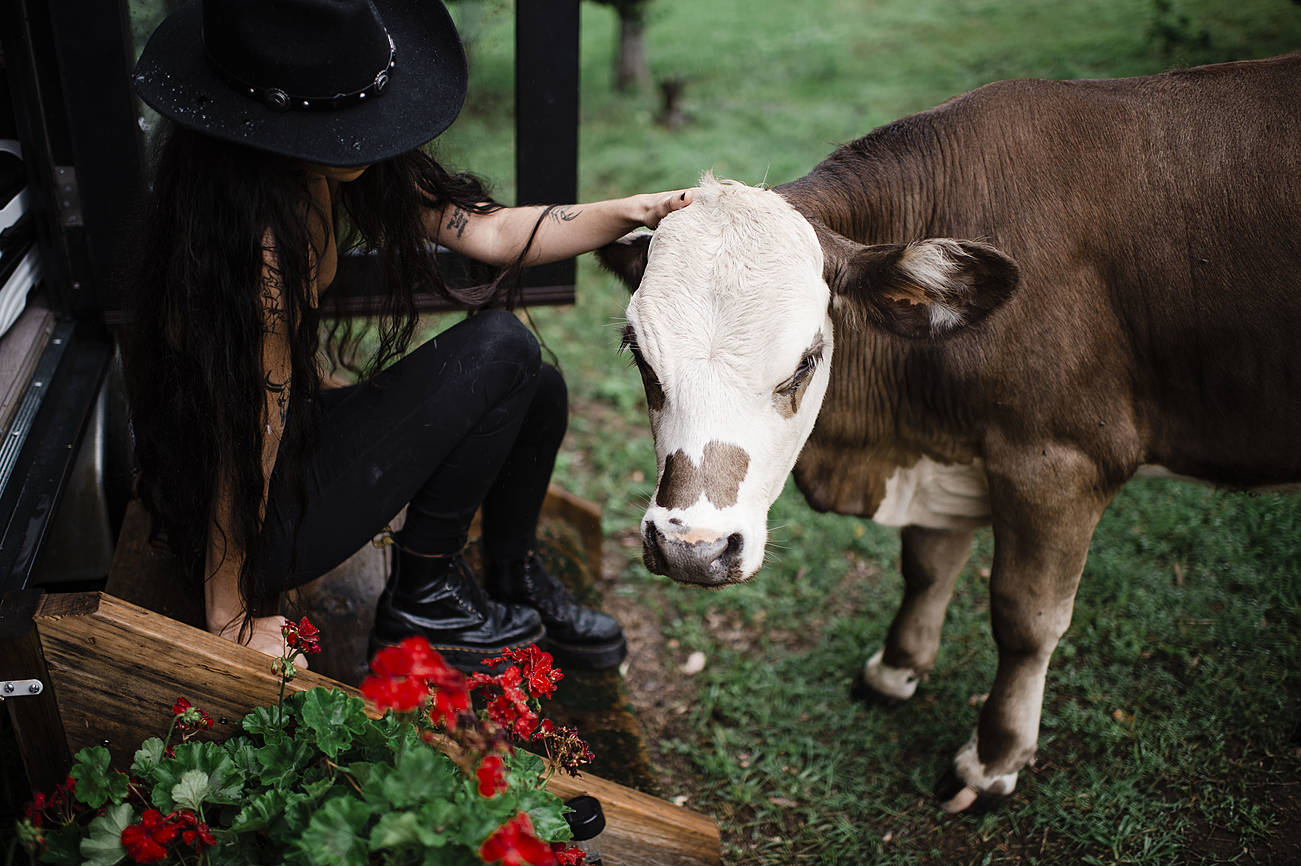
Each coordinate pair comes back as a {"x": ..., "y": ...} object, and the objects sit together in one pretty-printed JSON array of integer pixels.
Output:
[{"x": 194, "y": 369}]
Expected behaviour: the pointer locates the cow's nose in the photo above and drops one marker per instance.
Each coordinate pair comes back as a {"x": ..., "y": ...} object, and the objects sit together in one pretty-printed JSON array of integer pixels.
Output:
[{"x": 703, "y": 561}]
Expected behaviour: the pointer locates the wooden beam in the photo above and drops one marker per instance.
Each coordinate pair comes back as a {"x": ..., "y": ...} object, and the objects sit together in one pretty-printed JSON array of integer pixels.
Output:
[
  {"x": 117, "y": 669},
  {"x": 37, "y": 725}
]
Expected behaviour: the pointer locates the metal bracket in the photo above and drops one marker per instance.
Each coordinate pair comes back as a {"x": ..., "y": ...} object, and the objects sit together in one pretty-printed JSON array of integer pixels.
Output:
[
  {"x": 68, "y": 195},
  {"x": 20, "y": 688}
]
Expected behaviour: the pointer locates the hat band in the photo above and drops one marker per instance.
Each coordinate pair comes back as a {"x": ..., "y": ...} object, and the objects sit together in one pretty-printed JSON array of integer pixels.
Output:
[{"x": 279, "y": 100}]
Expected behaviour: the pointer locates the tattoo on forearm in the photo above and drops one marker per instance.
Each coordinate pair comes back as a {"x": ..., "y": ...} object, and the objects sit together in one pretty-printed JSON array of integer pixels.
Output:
[
  {"x": 281, "y": 392},
  {"x": 459, "y": 221},
  {"x": 270, "y": 312},
  {"x": 564, "y": 214}
]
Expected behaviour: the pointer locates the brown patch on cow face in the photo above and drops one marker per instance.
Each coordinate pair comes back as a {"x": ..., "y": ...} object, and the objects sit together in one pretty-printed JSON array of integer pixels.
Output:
[
  {"x": 786, "y": 397},
  {"x": 719, "y": 477}
]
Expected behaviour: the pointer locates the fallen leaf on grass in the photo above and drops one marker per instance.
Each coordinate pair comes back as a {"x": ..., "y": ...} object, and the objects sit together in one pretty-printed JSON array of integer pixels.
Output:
[{"x": 784, "y": 802}]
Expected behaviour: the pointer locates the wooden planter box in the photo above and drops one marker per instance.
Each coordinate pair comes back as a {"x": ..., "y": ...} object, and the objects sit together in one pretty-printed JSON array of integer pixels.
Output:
[{"x": 111, "y": 670}]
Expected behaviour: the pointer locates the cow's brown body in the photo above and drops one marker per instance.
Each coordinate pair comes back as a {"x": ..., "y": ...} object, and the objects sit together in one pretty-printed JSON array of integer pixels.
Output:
[{"x": 1155, "y": 225}]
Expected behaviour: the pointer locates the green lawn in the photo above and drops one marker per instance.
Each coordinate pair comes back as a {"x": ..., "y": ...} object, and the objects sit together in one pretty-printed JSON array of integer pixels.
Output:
[{"x": 1170, "y": 726}]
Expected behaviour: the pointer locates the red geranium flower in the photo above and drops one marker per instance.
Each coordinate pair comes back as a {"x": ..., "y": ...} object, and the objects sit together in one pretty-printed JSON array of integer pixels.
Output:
[
  {"x": 491, "y": 775},
  {"x": 514, "y": 716},
  {"x": 448, "y": 704},
  {"x": 538, "y": 673},
  {"x": 404, "y": 675},
  {"x": 515, "y": 844},
  {"x": 192, "y": 829},
  {"x": 147, "y": 841},
  {"x": 35, "y": 809},
  {"x": 302, "y": 636},
  {"x": 568, "y": 856},
  {"x": 400, "y": 694},
  {"x": 190, "y": 717}
]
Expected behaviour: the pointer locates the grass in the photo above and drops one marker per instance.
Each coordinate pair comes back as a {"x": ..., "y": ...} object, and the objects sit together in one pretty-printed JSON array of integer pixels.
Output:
[{"x": 1169, "y": 731}]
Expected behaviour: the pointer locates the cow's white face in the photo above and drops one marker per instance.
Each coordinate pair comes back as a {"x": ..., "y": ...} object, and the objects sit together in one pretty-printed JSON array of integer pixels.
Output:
[{"x": 731, "y": 331}]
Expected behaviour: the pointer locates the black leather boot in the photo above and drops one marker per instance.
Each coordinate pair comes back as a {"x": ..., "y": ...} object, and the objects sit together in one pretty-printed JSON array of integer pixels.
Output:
[
  {"x": 440, "y": 599},
  {"x": 576, "y": 636}
]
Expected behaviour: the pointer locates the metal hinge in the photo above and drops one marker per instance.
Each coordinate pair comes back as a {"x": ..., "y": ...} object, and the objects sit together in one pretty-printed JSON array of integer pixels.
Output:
[{"x": 20, "y": 688}]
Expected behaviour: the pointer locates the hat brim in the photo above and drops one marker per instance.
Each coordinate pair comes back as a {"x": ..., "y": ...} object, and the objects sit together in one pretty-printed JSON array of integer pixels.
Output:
[{"x": 424, "y": 95}]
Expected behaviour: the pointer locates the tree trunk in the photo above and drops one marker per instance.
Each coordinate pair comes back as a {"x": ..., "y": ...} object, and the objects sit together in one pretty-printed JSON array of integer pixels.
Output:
[{"x": 631, "y": 69}]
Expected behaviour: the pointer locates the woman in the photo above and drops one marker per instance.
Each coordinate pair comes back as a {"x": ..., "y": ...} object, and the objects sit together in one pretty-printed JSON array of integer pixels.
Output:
[{"x": 290, "y": 119}]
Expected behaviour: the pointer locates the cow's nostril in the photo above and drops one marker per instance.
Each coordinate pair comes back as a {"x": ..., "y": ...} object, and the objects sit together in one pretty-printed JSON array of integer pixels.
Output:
[
  {"x": 676, "y": 521},
  {"x": 733, "y": 549},
  {"x": 652, "y": 553}
]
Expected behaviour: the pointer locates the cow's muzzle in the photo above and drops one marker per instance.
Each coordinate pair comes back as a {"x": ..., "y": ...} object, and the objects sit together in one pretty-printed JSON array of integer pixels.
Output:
[{"x": 708, "y": 562}]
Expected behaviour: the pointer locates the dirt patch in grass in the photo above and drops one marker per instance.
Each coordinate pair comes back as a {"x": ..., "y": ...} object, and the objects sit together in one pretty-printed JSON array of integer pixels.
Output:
[{"x": 1277, "y": 794}]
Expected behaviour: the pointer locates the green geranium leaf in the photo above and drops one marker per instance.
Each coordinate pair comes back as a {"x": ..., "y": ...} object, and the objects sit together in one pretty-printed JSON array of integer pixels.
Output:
[
  {"x": 333, "y": 719},
  {"x": 477, "y": 817},
  {"x": 192, "y": 790},
  {"x": 547, "y": 811},
  {"x": 147, "y": 758},
  {"x": 525, "y": 768},
  {"x": 336, "y": 834},
  {"x": 96, "y": 783},
  {"x": 269, "y": 722},
  {"x": 225, "y": 782},
  {"x": 397, "y": 829},
  {"x": 379, "y": 739},
  {"x": 424, "y": 774},
  {"x": 441, "y": 816},
  {"x": 103, "y": 843},
  {"x": 294, "y": 811},
  {"x": 282, "y": 761},
  {"x": 244, "y": 754},
  {"x": 260, "y": 811},
  {"x": 63, "y": 848}
]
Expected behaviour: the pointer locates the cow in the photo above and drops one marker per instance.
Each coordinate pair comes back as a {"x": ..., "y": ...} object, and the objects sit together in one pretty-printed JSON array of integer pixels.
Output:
[{"x": 997, "y": 312}]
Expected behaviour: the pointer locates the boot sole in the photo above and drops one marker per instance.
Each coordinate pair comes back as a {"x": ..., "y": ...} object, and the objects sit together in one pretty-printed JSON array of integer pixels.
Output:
[
  {"x": 466, "y": 657},
  {"x": 586, "y": 656}
]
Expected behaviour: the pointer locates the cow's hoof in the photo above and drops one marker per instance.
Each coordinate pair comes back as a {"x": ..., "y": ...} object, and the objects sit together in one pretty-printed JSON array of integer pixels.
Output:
[
  {"x": 956, "y": 796},
  {"x": 861, "y": 690}
]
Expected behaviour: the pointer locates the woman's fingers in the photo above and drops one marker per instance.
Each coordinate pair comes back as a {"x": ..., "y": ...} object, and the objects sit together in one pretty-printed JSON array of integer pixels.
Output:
[{"x": 667, "y": 203}]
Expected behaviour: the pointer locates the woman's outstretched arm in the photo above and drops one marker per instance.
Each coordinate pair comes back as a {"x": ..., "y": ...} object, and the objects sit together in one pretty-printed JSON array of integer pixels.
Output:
[{"x": 563, "y": 231}]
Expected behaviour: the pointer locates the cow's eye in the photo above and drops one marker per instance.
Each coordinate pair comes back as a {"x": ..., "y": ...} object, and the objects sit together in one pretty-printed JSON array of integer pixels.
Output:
[{"x": 808, "y": 363}]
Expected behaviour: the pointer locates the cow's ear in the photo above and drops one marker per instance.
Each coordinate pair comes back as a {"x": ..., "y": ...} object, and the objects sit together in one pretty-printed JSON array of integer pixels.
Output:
[
  {"x": 626, "y": 257},
  {"x": 925, "y": 289}
]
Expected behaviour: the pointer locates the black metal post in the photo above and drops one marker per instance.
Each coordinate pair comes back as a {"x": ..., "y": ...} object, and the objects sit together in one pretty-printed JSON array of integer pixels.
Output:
[
  {"x": 546, "y": 113},
  {"x": 95, "y": 60}
]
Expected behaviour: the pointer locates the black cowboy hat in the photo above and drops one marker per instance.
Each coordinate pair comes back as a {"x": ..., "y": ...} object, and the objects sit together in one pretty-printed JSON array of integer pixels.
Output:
[{"x": 334, "y": 82}]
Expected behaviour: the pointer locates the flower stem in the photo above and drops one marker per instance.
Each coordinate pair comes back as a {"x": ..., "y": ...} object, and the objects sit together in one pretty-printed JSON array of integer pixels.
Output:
[{"x": 402, "y": 740}]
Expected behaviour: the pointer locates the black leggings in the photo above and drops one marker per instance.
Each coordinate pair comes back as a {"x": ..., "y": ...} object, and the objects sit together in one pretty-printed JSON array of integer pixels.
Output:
[{"x": 472, "y": 417}]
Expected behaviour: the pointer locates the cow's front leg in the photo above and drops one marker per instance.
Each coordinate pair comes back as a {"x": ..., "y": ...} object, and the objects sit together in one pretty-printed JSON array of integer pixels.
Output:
[
  {"x": 930, "y": 561},
  {"x": 1039, "y": 555}
]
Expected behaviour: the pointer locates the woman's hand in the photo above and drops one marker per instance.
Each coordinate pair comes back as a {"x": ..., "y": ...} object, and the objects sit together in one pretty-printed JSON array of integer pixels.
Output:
[
  {"x": 265, "y": 637},
  {"x": 660, "y": 204}
]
